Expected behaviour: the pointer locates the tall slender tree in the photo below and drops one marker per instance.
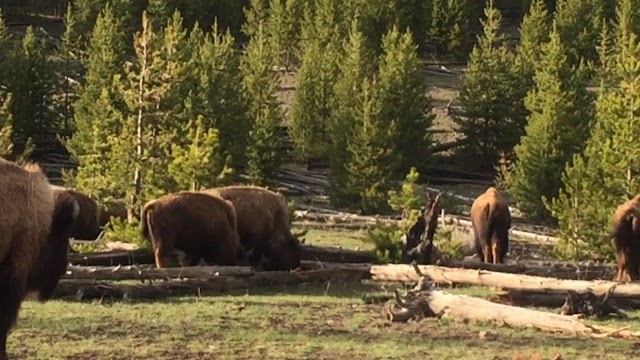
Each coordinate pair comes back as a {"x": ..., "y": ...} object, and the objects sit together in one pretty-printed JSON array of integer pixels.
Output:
[{"x": 562, "y": 113}]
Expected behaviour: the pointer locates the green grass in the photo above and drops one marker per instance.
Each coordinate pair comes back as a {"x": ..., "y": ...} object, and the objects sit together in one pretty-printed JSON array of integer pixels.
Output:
[
  {"x": 347, "y": 239},
  {"x": 302, "y": 322}
]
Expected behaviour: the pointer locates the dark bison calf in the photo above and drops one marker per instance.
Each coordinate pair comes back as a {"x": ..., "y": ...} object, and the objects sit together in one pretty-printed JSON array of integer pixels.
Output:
[
  {"x": 34, "y": 230},
  {"x": 625, "y": 231},
  {"x": 201, "y": 226},
  {"x": 263, "y": 226},
  {"x": 491, "y": 221}
]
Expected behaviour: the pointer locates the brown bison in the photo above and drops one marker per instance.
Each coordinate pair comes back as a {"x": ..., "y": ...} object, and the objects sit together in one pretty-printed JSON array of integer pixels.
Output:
[
  {"x": 200, "y": 226},
  {"x": 34, "y": 230},
  {"x": 491, "y": 220},
  {"x": 87, "y": 225},
  {"x": 263, "y": 226},
  {"x": 626, "y": 239}
]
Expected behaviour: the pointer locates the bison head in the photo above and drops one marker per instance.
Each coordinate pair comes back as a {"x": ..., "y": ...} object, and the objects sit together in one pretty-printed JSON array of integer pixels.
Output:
[{"x": 53, "y": 255}]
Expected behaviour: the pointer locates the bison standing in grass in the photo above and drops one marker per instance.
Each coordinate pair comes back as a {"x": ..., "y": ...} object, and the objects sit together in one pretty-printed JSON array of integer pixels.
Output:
[
  {"x": 200, "y": 226},
  {"x": 491, "y": 221},
  {"x": 625, "y": 231},
  {"x": 34, "y": 229},
  {"x": 263, "y": 226}
]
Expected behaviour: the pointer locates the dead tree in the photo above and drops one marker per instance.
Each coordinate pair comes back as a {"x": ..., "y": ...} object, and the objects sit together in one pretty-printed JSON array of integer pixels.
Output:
[{"x": 417, "y": 245}]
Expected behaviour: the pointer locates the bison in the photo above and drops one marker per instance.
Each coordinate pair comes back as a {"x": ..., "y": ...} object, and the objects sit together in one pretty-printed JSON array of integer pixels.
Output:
[
  {"x": 35, "y": 223},
  {"x": 200, "y": 226},
  {"x": 491, "y": 220},
  {"x": 625, "y": 231},
  {"x": 263, "y": 226},
  {"x": 87, "y": 225}
]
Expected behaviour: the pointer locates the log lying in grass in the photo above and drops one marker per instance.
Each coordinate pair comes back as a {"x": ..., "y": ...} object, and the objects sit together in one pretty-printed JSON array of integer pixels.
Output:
[
  {"x": 521, "y": 289},
  {"x": 150, "y": 272},
  {"x": 86, "y": 289},
  {"x": 556, "y": 299},
  {"x": 142, "y": 256},
  {"x": 423, "y": 301},
  {"x": 500, "y": 280},
  {"x": 336, "y": 217}
]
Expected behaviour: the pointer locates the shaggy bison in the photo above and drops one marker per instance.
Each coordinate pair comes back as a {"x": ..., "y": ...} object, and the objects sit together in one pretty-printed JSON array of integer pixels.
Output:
[
  {"x": 626, "y": 239},
  {"x": 263, "y": 226},
  {"x": 200, "y": 226},
  {"x": 87, "y": 224},
  {"x": 34, "y": 229},
  {"x": 491, "y": 221}
]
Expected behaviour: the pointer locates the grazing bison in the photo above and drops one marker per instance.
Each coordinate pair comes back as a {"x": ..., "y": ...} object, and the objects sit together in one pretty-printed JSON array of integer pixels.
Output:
[
  {"x": 200, "y": 226},
  {"x": 87, "y": 224},
  {"x": 625, "y": 232},
  {"x": 263, "y": 226},
  {"x": 34, "y": 229},
  {"x": 491, "y": 220}
]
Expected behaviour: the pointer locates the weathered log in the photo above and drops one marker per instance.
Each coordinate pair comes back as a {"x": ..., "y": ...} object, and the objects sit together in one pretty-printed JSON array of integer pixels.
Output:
[
  {"x": 424, "y": 301},
  {"x": 142, "y": 256},
  {"x": 86, "y": 289},
  {"x": 364, "y": 221},
  {"x": 500, "y": 280},
  {"x": 556, "y": 299},
  {"x": 133, "y": 272}
]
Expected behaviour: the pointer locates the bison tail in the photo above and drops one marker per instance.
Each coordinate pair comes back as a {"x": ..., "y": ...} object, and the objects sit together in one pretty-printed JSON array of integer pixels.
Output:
[
  {"x": 144, "y": 222},
  {"x": 487, "y": 229}
]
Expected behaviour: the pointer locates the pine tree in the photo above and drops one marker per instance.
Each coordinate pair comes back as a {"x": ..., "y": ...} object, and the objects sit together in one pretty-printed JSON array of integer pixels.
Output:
[
  {"x": 372, "y": 160},
  {"x": 488, "y": 91},
  {"x": 33, "y": 86},
  {"x": 534, "y": 32},
  {"x": 608, "y": 172},
  {"x": 159, "y": 12},
  {"x": 200, "y": 164},
  {"x": 283, "y": 30},
  {"x": 449, "y": 27},
  {"x": 402, "y": 92},
  {"x": 261, "y": 85},
  {"x": 579, "y": 23},
  {"x": 559, "y": 124},
  {"x": 220, "y": 95},
  {"x": 106, "y": 54},
  {"x": 311, "y": 108},
  {"x": 357, "y": 64}
]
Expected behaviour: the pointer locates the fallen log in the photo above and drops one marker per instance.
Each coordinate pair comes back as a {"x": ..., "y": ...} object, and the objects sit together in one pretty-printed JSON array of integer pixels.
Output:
[
  {"x": 85, "y": 289},
  {"x": 366, "y": 221},
  {"x": 133, "y": 272},
  {"x": 556, "y": 299},
  {"x": 520, "y": 282},
  {"x": 423, "y": 301},
  {"x": 143, "y": 256}
]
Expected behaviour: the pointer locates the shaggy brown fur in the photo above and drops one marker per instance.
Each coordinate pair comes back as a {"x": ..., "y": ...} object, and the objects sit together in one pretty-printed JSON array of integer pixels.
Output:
[
  {"x": 201, "y": 226},
  {"x": 491, "y": 221},
  {"x": 34, "y": 232},
  {"x": 263, "y": 226},
  {"x": 625, "y": 231},
  {"x": 87, "y": 224}
]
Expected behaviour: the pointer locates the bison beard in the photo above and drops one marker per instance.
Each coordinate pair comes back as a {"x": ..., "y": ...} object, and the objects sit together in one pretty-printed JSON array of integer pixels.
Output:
[
  {"x": 201, "y": 226},
  {"x": 263, "y": 226},
  {"x": 34, "y": 231},
  {"x": 491, "y": 221},
  {"x": 626, "y": 239}
]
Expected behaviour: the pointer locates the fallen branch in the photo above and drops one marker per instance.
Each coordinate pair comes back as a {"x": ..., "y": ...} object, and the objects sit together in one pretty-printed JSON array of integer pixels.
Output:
[
  {"x": 153, "y": 273},
  {"x": 588, "y": 304},
  {"x": 86, "y": 289},
  {"x": 424, "y": 301}
]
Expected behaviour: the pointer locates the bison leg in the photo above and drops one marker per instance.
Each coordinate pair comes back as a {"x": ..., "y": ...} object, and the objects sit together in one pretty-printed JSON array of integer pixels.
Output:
[
  {"x": 12, "y": 292},
  {"x": 495, "y": 249},
  {"x": 488, "y": 258},
  {"x": 160, "y": 258}
]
